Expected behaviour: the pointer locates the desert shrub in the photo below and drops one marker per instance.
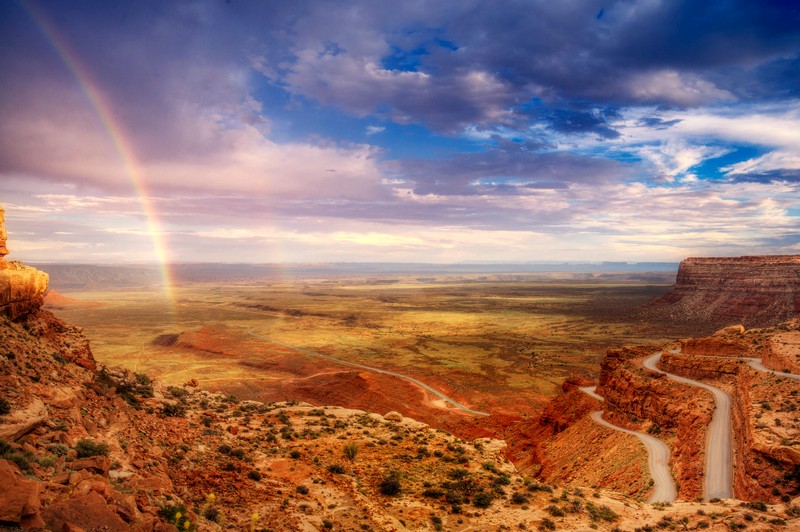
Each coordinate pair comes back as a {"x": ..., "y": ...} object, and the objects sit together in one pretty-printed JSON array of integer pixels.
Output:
[
  {"x": 547, "y": 524},
  {"x": 601, "y": 512},
  {"x": 555, "y": 511},
  {"x": 336, "y": 469},
  {"x": 295, "y": 454},
  {"x": 145, "y": 385},
  {"x": 212, "y": 513},
  {"x": 224, "y": 449},
  {"x": 433, "y": 493},
  {"x": 86, "y": 448},
  {"x": 176, "y": 410},
  {"x": 519, "y": 498},
  {"x": 437, "y": 522},
  {"x": 5, "y": 406},
  {"x": 326, "y": 524},
  {"x": 58, "y": 449},
  {"x": 302, "y": 490},
  {"x": 536, "y": 486},
  {"x": 350, "y": 451},
  {"x": 254, "y": 475},
  {"x": 502, "y": 480},
  {"x": 23, "y": 459},
  {"x": 453, "y": 497},
  {"x": 761, "y": 506},
  {"x": 483, "y": 499},
  {"x": 238, "y": 453},
  {"x": 177, "y": 392},
  {"x": 390, "y": 484},
  {"x": 175, "y": 514}
]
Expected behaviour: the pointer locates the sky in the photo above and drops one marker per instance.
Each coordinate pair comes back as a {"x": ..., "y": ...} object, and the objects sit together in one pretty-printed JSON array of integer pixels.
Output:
[{"x": 413, "y": 131}]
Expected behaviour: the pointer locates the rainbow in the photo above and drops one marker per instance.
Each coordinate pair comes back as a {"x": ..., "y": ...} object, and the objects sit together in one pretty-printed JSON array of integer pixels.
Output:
[{"x": 117, "y": 134}]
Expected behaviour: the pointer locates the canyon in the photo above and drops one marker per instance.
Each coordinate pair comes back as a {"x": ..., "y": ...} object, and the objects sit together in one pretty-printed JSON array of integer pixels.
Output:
[{"x": 84, "y": 446}]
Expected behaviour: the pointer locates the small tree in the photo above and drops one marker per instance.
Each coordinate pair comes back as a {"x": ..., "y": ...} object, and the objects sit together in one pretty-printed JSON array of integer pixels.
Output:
[{"x": 350, "y": 451}]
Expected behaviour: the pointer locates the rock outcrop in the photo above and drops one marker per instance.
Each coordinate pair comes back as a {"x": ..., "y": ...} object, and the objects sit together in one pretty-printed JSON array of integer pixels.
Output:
[
  {"x": 22, "y": 288},
  {"x": 755, "y": 291}
]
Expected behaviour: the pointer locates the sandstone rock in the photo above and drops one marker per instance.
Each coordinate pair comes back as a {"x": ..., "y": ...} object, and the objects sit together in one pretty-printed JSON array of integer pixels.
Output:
[
  {"x": 19, "y": 497},
  {"x": 753, "y": 291},
  {"x": 24, "y": 420},
  {"x": 98, "y": 464},
  {"x": 3, "y": 234},
  {"x": 393, "y": 416},
  {"x": 573, "y": 383},
  {"x": 716, "y": 347},
  {"x": 733, "y": 330},
  {"x": 22, "y": 290},
  {"x": 88, "y": 511}
]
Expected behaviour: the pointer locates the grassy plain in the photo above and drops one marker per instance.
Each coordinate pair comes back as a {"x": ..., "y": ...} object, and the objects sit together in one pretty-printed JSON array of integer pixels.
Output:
[{"x": 496, "y": 343}]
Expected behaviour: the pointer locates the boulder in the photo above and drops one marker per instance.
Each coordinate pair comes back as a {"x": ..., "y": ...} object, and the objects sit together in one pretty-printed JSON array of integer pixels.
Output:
[{"x": 19, "y": 497}]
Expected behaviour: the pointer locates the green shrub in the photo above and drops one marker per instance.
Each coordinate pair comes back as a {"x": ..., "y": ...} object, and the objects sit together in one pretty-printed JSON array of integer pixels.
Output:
[
  {"x": 86, "y": 448},
  {"x": 175, "y": 514},
  {"x": 483, "y": 499},
  {"x": 5, "y": 406},
  {"x": 254, "y": 475},
  {"x": 757, "y": 505},
  {"x": 336, "y": 469},
  {"x": 433, "y": 493},
  {"x": 555, "y": 511},
  {"x": 390, "y": 484},
  {"x": 519, "y": 498},
  {"x": 176, "y": 410},
  {"x": 601, "y": 512},
  {"x": 350, "y": 451},
  {"x": 58, "y": 449}
]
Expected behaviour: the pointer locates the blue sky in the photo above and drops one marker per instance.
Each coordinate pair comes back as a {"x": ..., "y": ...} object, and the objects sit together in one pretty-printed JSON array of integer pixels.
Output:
[{"x": 308, "y": 131}]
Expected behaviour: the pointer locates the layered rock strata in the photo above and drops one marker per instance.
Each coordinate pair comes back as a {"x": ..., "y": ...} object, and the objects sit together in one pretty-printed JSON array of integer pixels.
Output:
[{"x": 753, "y": 290}]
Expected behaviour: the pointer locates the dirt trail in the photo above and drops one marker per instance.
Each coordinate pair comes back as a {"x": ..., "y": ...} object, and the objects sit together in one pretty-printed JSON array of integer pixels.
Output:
[
  {"x": 370, "y": 368},
  {"x": 719, "y": 448},
  {"x": 657, "y": 455}
]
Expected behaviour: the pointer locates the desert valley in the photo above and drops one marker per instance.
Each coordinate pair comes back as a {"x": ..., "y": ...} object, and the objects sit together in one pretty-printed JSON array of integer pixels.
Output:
[
  {"x": 381, "y": 266},
  {"x": 371, "y": 401}
]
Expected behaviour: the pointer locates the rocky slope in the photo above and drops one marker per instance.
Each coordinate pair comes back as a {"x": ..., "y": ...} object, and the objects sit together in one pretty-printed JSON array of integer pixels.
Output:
[
  {"x": 765, "y": 418},
  {"x": 755, "y": 291},
  {"x": 88, "y": 448}
]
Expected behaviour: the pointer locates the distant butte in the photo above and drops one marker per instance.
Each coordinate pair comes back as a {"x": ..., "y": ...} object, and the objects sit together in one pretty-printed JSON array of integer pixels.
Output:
[{"x": 756, "y": 291}]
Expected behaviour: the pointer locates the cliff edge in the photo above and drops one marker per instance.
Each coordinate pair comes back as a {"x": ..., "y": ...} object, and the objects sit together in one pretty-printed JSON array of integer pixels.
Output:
[
  {"x": 22, "y": 288},
  {"x": 756, "y": 291}
]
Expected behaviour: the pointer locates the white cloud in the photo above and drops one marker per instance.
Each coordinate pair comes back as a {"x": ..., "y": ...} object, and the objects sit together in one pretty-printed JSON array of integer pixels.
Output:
[{"x": 673, "y": 86}]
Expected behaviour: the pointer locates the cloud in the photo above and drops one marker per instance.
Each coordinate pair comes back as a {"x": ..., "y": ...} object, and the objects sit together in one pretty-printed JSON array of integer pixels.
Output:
[{"x": 374, "y": 130}]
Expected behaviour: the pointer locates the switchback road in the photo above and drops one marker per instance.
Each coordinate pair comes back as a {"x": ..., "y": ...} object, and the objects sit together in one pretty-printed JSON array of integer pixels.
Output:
[
  {"x": 657, "y": 455},
  {"x": 719, "y": 448}
]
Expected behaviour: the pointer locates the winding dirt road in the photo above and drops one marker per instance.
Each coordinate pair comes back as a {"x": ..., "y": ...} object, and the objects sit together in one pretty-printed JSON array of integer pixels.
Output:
[
  {"x": 719, "y": 448},
  {"x": 757, "y": 364},
  {"x": 419, "y": 383},
  {"x": 657, "y": 455}
]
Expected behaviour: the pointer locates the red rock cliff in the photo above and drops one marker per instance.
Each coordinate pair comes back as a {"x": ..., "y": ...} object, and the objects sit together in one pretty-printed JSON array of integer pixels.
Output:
[
  {"x": 22, "y": 288},
  {"x": 752, "y": 290}
]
